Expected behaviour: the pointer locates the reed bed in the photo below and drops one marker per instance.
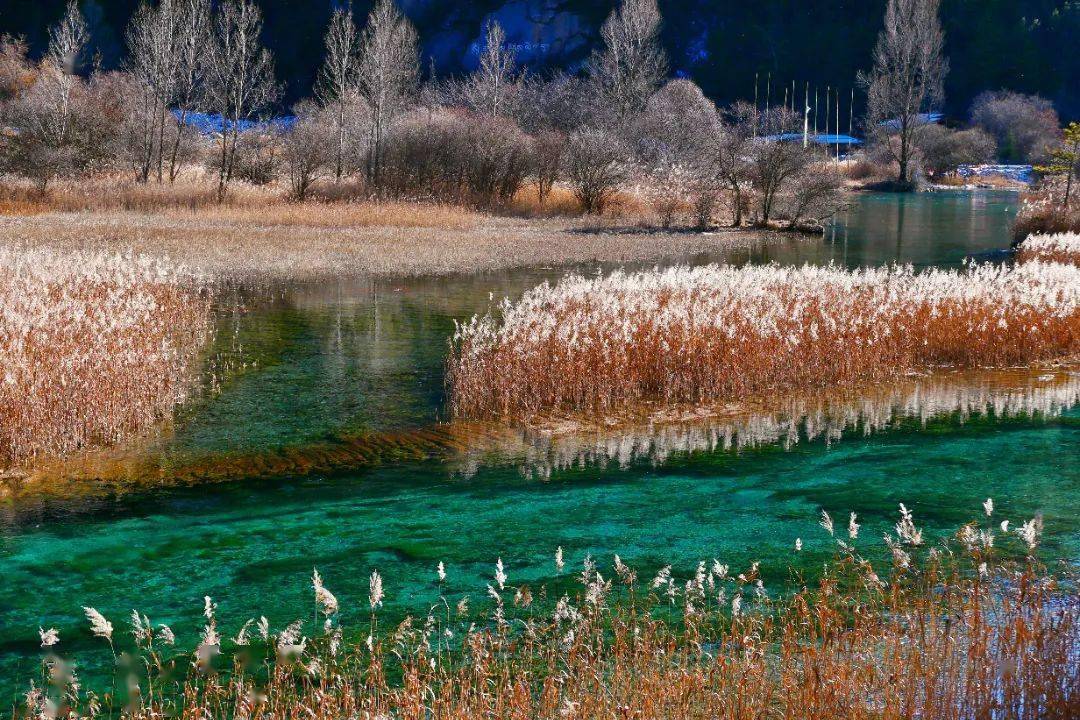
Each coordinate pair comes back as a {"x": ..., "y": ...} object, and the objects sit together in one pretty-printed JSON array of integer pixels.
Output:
[
  {"x": 1062, "y": 248},
  {"x": 973, "y": 627},
  {"x": 94, "y": 348},
  {"x": 601, "y": 345}
]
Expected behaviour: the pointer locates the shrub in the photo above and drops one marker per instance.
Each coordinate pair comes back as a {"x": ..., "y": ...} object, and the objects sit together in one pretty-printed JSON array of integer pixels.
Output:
[
  {"x": 944, "y": 149},
  {"x": 1024, "y": 126},
  {"x": 308, "y": 147},
  {"x": 455, "y": 157}
]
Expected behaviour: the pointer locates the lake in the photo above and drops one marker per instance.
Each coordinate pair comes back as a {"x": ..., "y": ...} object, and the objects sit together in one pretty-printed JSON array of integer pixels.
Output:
[{"x": 359, "y": 363}]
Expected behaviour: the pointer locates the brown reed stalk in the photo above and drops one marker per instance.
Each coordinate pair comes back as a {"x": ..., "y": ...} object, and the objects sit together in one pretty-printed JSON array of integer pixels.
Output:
[
  {"x": 955, "y": 632},
  {"x": 717, "y": 333}
]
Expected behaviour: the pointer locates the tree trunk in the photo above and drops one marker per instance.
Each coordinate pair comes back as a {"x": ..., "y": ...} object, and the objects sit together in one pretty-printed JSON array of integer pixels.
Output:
[
  {"x": 341, "y": 139},
  {"x": 173, "y": 170}
]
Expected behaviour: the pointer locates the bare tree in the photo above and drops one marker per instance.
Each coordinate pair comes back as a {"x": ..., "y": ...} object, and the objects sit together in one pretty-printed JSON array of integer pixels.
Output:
[
  {"x": 194, "y": 42},
  {"x": 240, "y": 77},
  {"x": 671, "y": 137},
  {"x": 596, "y": 163},
  {"x": 338, "y": 78},
  {"x": 773, "y": 162},
  {"x": 560, "y": 102},
  {"x": 731, "y": 153},
  {"x": 632, "y": 64},
  {"x": 48, "y": 109},
  {"x": 811, "y": 197},
  {"x": 388, "y": 71},
  {"x": 907, "y": 77},
  {"x": 67, "y": 42},
  {"x": 153, "y": 58},
  {"x": 494, "y": 81}
]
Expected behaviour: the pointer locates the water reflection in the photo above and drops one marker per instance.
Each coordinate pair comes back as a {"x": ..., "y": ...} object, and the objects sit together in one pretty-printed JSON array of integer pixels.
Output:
[
  {"x": 827, "y": 416},
  {"x": 465, "y": 448}
]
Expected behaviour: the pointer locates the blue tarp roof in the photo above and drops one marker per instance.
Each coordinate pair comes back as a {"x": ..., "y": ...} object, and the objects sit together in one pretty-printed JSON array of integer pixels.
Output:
[
  {"x": 819, "y": 139},
  {"x": 213, "y": 124}
]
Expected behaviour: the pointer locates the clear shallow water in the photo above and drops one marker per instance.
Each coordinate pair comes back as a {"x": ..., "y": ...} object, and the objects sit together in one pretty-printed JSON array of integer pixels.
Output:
[{"x": 352, "y": 357}]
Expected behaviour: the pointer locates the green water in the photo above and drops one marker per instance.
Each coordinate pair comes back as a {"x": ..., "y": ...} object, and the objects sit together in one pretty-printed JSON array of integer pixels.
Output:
[{"x": 355, "y": 356}]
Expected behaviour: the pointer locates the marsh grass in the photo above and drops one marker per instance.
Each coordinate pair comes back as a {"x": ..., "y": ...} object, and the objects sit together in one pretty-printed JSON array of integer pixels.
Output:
[
  {"x": 1062, "y": 248},
  {"x": 94, "y": 348},
  {"x": 717, "y": 333},
  {"x": 969, "y": 628}
]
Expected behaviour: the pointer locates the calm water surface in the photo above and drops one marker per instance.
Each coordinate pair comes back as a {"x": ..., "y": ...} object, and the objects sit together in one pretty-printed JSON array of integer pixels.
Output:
[{"x": 356, "y": 357}]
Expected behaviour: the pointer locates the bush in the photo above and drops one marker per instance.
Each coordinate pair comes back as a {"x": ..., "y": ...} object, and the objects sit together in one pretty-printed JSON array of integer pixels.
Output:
[
  {"x": 1024, "y": 126},
  {"x": 456, "y": 157},
  {"x": 62, "y": 126},
  {"x": 811, "y": 197},
  {"x": 944, "y": 149},
  {"x": 595, "y": 165},
  {"x": 308, "y": 147}
]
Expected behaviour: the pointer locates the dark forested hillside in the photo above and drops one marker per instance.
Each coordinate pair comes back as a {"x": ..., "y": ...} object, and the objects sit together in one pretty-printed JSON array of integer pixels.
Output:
[{"x": 1027, "y": 45}]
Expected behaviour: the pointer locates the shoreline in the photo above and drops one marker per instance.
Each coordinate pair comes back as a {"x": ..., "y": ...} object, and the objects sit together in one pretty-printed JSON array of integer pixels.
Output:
[{"x": 247, "y": 251}]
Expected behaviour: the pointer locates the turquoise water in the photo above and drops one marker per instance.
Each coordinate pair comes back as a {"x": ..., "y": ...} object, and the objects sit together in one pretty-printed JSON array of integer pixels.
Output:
[{"x": 356, "y": 357}]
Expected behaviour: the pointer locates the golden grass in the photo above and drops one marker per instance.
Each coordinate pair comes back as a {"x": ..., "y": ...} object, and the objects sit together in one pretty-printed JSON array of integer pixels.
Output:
[
  {"x": 244, "y": 204},
  {"x": 256, "y": 234},
  {"x": 560, "y": 202},
  {"x": 709, "y": 334},
  {"x": 94, "y": 348},
  {"x": 954, "y": 632},
  {"x": 1043, "y": 212}
]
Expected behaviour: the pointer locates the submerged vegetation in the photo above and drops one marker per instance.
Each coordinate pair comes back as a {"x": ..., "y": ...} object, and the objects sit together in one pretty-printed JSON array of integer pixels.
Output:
[
  {"x": 94, "y": 348},
  {"x": 714, "y": 333},
  {"x": 963, "y": 628}
]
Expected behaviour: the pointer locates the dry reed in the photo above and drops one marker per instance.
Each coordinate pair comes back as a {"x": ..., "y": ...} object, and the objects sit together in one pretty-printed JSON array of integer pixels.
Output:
[
  {"x": 255, "y": 205},
  {"x": 1062, "y": 248},
  {"x": 601, "y": 345},
  {"x": 958, "y": 631},
  {"x": 94, "y": 348}
]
